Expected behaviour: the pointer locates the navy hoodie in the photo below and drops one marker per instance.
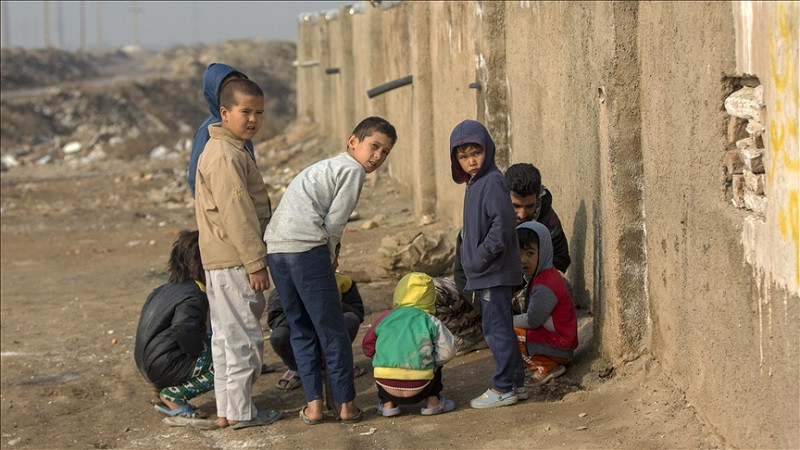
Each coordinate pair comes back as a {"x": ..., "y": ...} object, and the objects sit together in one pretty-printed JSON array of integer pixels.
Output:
[
  {"x": 489, "y": 248},
  {"x": 212, "y": 79}
]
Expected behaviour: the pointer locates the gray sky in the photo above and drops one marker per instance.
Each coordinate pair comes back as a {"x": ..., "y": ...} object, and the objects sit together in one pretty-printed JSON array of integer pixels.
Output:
[{"x": 159, "y": 24}]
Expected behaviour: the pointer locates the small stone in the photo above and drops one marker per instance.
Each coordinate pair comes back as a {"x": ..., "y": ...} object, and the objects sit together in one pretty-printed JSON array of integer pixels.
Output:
[
  {"x": 369, "y": 224},
  {"x": 582, "y": 414},
  {"x": 581, "y": 428},
  {"x": 427, "y": 220},
  {"x": 114, "y": 341},
  {"x": 72, "y": 147}
]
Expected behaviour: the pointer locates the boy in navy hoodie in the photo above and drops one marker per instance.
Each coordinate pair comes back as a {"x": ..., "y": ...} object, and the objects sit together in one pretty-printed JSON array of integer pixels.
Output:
[{"x": 489, "y": 253}]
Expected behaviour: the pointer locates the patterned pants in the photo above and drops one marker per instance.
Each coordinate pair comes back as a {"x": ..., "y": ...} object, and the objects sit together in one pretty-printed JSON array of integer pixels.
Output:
[{"x": 200, "y": 382}]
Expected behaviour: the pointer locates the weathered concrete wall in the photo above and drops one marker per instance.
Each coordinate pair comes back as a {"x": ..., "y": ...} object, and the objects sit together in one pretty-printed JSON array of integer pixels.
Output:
[{"x": 620, "y": 105}]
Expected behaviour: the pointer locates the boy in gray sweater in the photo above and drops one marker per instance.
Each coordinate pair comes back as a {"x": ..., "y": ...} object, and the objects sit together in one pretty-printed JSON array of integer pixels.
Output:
[{"x": 301, "y": 242}]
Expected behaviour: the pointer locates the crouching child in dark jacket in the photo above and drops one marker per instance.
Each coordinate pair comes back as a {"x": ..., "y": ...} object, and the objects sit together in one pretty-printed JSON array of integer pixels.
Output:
[{"x": 172, "y": 348}]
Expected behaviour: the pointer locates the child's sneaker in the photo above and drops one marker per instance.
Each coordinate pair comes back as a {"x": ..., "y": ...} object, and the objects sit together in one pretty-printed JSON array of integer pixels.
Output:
[
  {"x": 445, "y": 405},
  {"x": 491, "y": 400},
  {"x": 522, "y": 392},
  {"x": 540, "y": 377}
]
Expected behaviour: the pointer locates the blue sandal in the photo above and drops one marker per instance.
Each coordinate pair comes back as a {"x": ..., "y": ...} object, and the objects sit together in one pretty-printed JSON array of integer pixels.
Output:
[{"x": 186, "y": 410}]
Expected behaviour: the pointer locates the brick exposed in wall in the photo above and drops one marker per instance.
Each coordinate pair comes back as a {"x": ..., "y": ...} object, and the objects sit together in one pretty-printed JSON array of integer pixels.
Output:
[
  {"x": 754, "y": 182},
  {"x": 753, "y": 159},
  {"x": 754, "y": 202},
  {"x": 737, "y": 129},
  {"x": 737, "y": 190},
  {"x": 733, "y": 163}
]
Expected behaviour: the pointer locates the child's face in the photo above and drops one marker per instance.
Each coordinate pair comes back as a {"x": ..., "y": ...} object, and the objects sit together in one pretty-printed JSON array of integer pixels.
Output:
[
  {"x": 244, "y": 119},
  {"x": 471, "y": 159},
  {"x": 524, "y": 207},
  {"x": 530, "y": 258},
  {"x": 370, "y": 152}
]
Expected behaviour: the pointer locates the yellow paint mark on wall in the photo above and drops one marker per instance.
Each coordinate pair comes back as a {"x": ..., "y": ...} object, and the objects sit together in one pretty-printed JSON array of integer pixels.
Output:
[
  {"x": 783, "y": 130},
  {"x": 789, "y": 226}
]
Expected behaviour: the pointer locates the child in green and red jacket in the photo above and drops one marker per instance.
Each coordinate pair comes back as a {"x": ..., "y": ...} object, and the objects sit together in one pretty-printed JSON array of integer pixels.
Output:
[{"x": 408, "y": 347}]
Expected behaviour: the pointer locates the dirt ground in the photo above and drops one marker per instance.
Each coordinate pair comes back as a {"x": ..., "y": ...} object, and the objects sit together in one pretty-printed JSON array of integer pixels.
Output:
[
  {"x": 83, "y": 244},
  {"x": 82, "y": 248}
]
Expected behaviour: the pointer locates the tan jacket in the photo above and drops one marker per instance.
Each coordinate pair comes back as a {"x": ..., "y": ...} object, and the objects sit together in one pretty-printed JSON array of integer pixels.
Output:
[{"x": 231, "y": 204}]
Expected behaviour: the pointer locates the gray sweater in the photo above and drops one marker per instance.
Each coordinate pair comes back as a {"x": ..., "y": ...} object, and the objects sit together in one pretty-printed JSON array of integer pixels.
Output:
[{"x": 316, "y": 205}]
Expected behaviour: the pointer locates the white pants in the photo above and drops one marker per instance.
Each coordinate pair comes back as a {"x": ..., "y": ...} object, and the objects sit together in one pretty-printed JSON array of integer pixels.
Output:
[{"x": 237, "y": 341}]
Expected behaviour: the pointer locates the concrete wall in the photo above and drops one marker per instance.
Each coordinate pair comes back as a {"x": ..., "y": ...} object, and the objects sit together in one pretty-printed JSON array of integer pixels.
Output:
[{"x": 621, "y": 106}]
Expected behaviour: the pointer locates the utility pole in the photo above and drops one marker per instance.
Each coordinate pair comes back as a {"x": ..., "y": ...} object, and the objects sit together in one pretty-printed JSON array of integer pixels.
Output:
[
  {"x": 46, "y": 5},
  {"x": 135, "y": 24},
  {"x": 6, "y": 41},
  {"x": 99, "y": 20},
  {"x": 83, "y": 25},
  {"x": 60, "y": 26}
]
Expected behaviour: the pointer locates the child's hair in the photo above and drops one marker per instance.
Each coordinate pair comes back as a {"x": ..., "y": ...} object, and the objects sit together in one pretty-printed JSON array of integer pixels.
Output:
[
  {"x": 184, "y": 261},
  {"x": 371, "y": 125},
  {"x": 526, "y": 237},
  {"x": 227, "y": 95},
  {"x": 524, "y": 179},
  {"x": 465, "y": 147},
  {"x": 231, "y": 76}
]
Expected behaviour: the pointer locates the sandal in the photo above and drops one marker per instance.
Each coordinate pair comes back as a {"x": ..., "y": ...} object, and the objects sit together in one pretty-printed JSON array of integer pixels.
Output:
[
  {"x": 261, "y": 418},
  {"x": 308, "y": 420},
  {"x": 290, "y": 380},
  {"x": 186, "y": 410},
  {"x": 391, "y": 412},
  {"x": 355, "y": 419},
  {"x": 445, "y": 405}
]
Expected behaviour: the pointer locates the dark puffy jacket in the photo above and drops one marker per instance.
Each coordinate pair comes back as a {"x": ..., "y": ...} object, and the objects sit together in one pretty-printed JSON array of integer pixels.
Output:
[
  {"x": 351, "y": 302},
  {"x": 549, "y": 218},
  {"x": 171, "y": 333}
]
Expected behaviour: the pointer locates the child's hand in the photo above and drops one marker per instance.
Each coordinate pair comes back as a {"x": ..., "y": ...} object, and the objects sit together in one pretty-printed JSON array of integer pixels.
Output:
[{"x": 259, "y": 281}]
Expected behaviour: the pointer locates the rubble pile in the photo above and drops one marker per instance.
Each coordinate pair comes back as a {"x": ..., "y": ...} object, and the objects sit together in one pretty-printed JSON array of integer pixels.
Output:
[
  {"x": 128, "y": 106},
  {"x": 30, "y": 68}
]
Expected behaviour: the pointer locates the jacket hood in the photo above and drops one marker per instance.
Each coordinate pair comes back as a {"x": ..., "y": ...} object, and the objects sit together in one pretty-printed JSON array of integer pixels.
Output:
[
  {"x": 212, "y": 79},
  {"x": 470, "y": 132},
  {"x": 415, "y": 289},
  {"x": 545, "y": 245}
]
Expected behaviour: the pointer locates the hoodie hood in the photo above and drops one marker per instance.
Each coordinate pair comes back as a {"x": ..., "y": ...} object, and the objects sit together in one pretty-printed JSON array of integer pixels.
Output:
[
  {"x": 545, "y": 245},
  {"x": 470, "y": 132},
  {"x": 212, "y": 79},
  {"x": 415, "y": 289}
]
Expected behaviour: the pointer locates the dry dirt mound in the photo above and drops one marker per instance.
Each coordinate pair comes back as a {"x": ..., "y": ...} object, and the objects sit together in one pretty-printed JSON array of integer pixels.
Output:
[{"x": 127, "y": 103}]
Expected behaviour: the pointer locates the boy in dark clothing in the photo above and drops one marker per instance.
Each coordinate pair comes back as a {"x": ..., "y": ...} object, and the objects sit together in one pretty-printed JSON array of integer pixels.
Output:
[
  {"x": 172, "y": 349},
  {"x": 214, "y": 78},
  {"x": 489, "y": 253},
  {"x": 532, "y": 201}
]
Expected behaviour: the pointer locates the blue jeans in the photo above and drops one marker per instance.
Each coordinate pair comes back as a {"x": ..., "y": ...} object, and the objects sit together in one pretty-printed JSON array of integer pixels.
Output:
[
  {"x": 498, "y": 329},
  {"x": 310, "y": 298}
]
